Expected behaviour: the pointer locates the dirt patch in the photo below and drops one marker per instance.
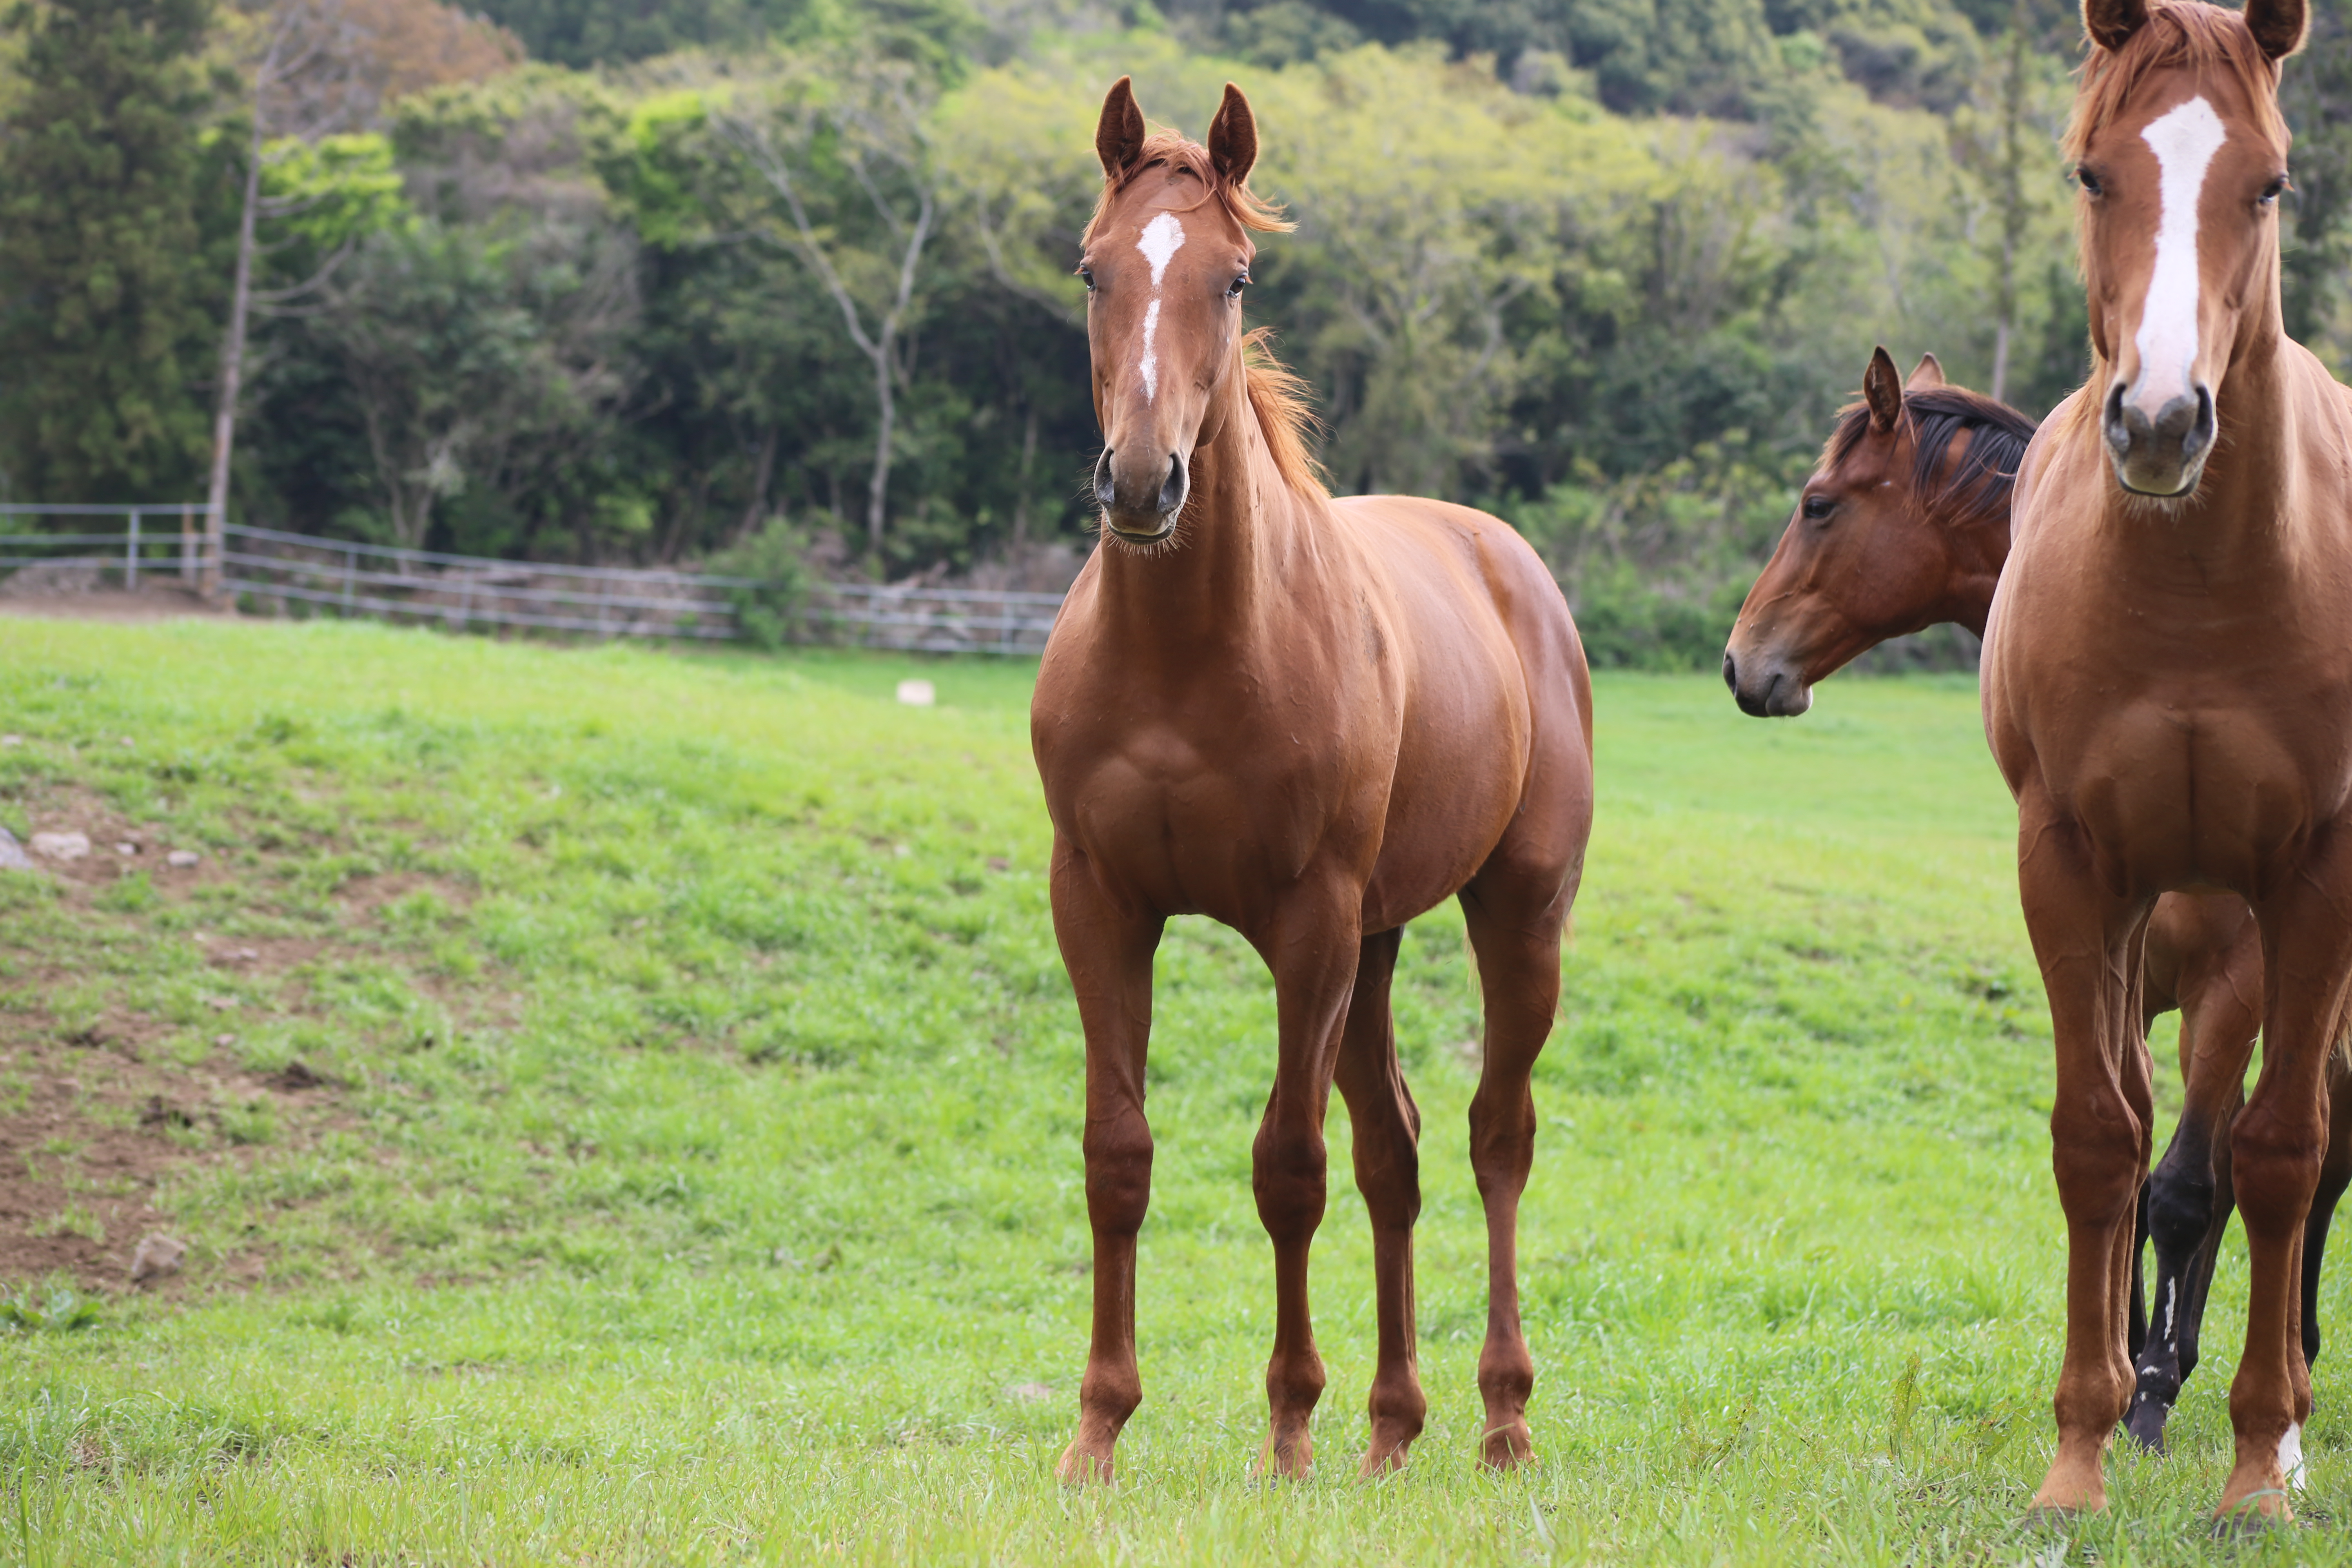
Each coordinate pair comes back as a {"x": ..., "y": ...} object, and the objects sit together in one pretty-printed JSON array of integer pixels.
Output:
[{"x": 96, "y": 1116}]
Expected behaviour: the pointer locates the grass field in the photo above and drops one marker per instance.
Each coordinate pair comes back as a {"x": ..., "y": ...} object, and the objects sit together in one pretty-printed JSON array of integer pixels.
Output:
[{"x": 625, "y": 1107}]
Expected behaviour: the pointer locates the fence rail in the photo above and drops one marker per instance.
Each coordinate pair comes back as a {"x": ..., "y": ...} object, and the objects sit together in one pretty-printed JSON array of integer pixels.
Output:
[{"x": 301, "y": 573}]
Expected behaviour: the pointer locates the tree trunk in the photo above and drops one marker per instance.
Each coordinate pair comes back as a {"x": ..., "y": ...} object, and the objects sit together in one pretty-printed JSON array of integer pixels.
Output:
[
  {"x": 878, "y": 490},
  {"x": 232, "y": 373},
  {"x": 762, "y": 474},
  {"x": 1020, "y": 496}
]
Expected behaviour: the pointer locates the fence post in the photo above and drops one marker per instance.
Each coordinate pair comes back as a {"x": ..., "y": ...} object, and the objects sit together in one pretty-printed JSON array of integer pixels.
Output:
[
  {"x": 130, "y": 556},
  {"x": 351, "y": 565}
]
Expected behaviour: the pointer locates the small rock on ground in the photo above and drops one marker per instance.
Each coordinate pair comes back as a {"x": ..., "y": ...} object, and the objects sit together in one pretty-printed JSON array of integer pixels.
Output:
[
  {"x": 62, "y": 846},
  {"x": 156, "y": 1256},
  {"x": 183, "y": 858},
  {"x": 12, "y": 854}
]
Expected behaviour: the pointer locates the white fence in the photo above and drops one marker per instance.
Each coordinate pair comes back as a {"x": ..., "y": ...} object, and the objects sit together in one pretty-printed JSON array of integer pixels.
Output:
[{"x": 300, "y": 574}]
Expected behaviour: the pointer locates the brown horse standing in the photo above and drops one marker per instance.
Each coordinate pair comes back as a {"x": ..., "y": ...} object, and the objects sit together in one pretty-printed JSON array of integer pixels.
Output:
[
  {"x": 1904, "y": 524},
  {"x": 1312, "y": 720},
  {"x": 2167, "y": 685}
]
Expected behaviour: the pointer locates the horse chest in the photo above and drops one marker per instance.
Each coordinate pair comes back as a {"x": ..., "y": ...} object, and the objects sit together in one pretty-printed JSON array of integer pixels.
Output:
[
  {"x": 1186, "y": 819},
  {"x": 2173, "y": 793}
]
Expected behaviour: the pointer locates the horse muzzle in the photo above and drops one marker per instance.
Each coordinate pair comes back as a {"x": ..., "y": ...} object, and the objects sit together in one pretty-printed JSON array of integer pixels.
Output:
[
  {"x": 1765, "y": 689},
  {"x": 1140, "y": 499},
  {"x": 2162, "y": 453}
]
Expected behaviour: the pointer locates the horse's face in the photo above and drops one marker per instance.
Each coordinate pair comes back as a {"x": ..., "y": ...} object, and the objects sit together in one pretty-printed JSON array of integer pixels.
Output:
[
  {"x": 2180, "y": 194},
  {"x": 1165, "y": 264},
  {"x": 1860, "y": 561}
]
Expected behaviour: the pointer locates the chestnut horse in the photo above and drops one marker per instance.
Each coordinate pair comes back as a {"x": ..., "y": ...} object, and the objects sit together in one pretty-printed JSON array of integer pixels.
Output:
[
  {"x": 1311, "y": 720},
  {"x": 2167, "y": 687},
  {"x": 1903, "y": 525}
]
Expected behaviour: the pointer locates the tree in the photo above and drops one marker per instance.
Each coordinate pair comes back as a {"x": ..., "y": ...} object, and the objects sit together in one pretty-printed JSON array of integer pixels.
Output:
[
  {"x": 317, "y": 67},
  {"x": 846, "y": 151},
  {"x": 102, "y": 182}
]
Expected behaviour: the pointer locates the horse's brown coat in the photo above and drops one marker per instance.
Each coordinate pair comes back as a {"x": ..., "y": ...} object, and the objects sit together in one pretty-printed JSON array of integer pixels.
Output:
[
  {"x": 2168, "y": 688},
  {"x": 1312, "y": 720}
]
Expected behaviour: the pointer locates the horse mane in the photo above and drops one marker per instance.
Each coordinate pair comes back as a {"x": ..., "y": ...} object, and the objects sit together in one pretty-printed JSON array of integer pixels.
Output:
[
  {"x": 1280, "y": 396},
  {"x": 2178, "y": 34},
  {"x": 1980, "y": 487}
]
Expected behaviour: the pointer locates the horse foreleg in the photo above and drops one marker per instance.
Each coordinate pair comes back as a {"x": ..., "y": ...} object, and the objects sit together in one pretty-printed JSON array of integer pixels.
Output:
[
  {"x": 1107, "y": 951},
  {"x": 1514, "y": 925},
  {"x": 2188, "y": 1198},
  {"x": 2085, "y": 940},
  {"x": 2278, "y": 1146},
  {"x": 1385, "y": 1128},
  {"x": 1313, "y": 951}
]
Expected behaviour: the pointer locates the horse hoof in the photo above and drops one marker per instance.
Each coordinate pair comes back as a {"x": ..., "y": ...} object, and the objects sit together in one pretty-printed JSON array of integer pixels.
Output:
[
  {"x": 1379, "y": 1462},
  {"x": 1291, "y": 1461},
  {"x": 1508, "y": 1447},
  {"x": 1082, "y": 1467},
  {"x": 2145, "y": 1425},
  {"x": 2251, "y": 1517},
  {"x": 2043, "y": 1519}
]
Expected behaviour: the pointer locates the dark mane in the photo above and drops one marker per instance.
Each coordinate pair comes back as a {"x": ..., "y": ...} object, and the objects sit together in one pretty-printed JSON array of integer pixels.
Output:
[
  {"x": 2177, "y": 35},
  {"x": 1979, "y": 486}
]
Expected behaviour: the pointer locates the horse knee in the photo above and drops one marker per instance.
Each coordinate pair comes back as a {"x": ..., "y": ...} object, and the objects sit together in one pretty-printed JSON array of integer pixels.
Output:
[
  {"x": 1287, "y": 1173},
  {"x": 2274, "y": 1163},
  {"x": 2097, "y": 1153},
  {"x": 1118, "y": 1175},
  {"x": 1502, "y": 1140}
]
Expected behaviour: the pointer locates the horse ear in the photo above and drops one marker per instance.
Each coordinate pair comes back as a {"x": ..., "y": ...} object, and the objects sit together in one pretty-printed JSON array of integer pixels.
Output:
[
  {"x": 2278, "y": 25},
  {"x": 1232, "y": 138},
  {"x": 1118, "y": 135},
  {"x": 1882, "y": 388},
  {"x": 1929, "y": 372},
  {"x": 2111, "y": 23}
]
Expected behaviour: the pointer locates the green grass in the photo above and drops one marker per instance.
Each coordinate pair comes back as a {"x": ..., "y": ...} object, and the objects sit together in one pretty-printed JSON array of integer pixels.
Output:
[{"x": 703, "y": 1186}]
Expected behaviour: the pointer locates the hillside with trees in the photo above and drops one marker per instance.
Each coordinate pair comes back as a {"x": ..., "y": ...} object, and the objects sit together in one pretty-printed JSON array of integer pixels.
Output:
[{"x": 770, "y": 281}]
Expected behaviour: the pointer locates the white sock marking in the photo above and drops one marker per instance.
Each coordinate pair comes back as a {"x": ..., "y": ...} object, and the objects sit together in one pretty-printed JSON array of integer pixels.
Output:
[
  {"x": 2291, "y": 1456},
  {"x": 2171, "y": 1289},
  {"x": 1163, "y": 236},
  {"x": 2184, "y": 141}
]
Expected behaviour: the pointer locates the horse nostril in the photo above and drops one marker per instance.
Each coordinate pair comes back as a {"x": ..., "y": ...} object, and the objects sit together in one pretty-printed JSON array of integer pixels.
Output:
[
  {"x": 1731, "y": 671},
  {"x": 1105, "y": 495},
  {"x": 2117, "y": 433},
  {"x": 1172, "y": 494}
]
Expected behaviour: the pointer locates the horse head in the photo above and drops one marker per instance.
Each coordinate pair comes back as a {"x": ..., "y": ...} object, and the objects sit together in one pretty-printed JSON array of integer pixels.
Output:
[
  {"x": 2181, "y": 153},
  {"x": 1165, "y": 261},
  {"x": 1903, "y": 523}
]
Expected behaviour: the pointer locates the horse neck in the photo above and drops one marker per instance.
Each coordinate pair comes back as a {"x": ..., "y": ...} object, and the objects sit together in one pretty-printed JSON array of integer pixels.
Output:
[
  {"x": 1976, "y": 547},
  {"x": 1221, "y": 584}
]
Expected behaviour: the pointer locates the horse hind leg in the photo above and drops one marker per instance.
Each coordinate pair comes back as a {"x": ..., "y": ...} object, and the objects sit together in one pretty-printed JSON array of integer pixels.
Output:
[
  {"x": 2188, "y": 1198},
  {"x": 1386, "y": 1131},
  {"x": 1515, "y": 921}
]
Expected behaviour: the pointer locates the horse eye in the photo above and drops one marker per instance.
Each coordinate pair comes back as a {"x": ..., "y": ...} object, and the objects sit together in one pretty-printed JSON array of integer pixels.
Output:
[
  {"x": 1239, "y": 282},
  {"x": 1817, "y": 508},
  {"x": 2089, "y": 181},
  {"x": 2274, "y": 190},
  {"x": 1088, "y": 275}
]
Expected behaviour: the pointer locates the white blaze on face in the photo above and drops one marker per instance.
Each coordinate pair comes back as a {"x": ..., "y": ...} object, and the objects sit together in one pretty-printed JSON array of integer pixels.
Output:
[
  {"x": 1163, "y": 236},
  {"x": 2184, "y": 141}
]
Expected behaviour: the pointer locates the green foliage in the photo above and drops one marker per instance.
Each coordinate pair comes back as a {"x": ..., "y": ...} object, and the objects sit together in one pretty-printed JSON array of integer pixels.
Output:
[
  {"x": 106, "y": 300},
  {"x": 776, "y": 560},
  {"x": 27, "y": 1312}
]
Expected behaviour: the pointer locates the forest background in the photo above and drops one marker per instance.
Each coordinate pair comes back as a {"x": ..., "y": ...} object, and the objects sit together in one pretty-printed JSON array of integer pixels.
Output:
[{"x": 786, "y": 285}]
